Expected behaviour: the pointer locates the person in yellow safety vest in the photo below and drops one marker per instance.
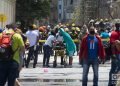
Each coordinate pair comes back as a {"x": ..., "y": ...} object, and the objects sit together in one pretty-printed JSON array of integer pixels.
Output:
[{"x": 73, "y": 33}]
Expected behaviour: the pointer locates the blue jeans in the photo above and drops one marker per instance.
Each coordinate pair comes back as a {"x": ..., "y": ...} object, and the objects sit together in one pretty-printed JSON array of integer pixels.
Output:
[
  {"x": 86, "y": 66},
  {"x": 8, "y": 72},
  {"x": 115, "y": 68},
  {"x": 47, "y": 52}
]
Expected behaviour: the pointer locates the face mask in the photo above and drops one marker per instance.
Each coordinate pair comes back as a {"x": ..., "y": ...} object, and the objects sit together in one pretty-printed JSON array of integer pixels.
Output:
[{"x": 92, "y": 32}]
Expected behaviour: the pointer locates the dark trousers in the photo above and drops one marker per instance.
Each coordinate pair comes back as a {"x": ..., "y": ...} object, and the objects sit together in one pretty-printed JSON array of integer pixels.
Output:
[
  {"x": 115, "y": 68},
  {"x": 33, "y": 53},
  {"x": 47, "y": 52},
  {"x": 8, "y": 72},
  {"x": 77, "y": 47},
  {"x": 86, "y": 66},
  {"x": 40, "y": 48}
]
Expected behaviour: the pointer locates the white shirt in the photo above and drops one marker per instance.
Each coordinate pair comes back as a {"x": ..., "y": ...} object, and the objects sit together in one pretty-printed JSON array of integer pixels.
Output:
[
  {"x": 50, "y": 40},
  {"x": 59, "y": 38},
  {"x": 32, "y": 37}
]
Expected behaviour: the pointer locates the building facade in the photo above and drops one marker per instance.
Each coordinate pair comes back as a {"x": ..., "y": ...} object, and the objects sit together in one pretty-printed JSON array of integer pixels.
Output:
[
  {"x": 85, "y": 10},
  {"x": 66, "y": 9},
  {"x": 60, "y": 10},
  {"x": 8, "y": 10}
]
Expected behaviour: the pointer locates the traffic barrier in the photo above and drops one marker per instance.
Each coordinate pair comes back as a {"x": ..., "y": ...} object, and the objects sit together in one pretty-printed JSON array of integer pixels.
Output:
[{"x": 42, "y": 41}]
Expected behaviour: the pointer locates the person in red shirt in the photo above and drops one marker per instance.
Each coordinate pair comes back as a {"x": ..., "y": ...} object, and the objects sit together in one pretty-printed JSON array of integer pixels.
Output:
[
  {"x": 91, "y": 51},
  {"x": 115, "y": 60}
]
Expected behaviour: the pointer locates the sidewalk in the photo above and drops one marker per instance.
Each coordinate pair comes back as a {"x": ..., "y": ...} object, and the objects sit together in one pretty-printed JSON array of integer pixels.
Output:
[{"x": 60, "y": 76}]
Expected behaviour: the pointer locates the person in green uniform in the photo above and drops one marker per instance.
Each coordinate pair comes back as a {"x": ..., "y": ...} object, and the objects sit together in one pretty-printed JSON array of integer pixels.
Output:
[{"x": 9, "y": 69}]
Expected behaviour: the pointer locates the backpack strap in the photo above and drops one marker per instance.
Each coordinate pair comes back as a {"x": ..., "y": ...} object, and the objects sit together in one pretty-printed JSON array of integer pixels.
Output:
[{"x": 11, "y": 39}]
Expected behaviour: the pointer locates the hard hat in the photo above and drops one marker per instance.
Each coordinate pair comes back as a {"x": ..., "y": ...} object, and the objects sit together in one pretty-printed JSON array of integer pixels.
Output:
[
  {"x": 73, "y": 24},
  {"x": 66, "y": 29},
  {"x": 34, "y": 26},
  {"x": 106, "y": 19},
  {"x": 91, "y": 21},
  {"x": 77, "y": 29},
  {"x": 67, "y": 24},
  {"x": 44, "y": 27},
  {"x": 41, "y": 29},
  {"x": 73, "y": 28},
  {"x": 101, "y": 20}
]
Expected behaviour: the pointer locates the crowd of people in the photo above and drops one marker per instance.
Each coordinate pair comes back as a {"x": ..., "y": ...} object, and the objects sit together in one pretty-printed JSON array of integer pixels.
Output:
[{"x": 94, "y": 43}]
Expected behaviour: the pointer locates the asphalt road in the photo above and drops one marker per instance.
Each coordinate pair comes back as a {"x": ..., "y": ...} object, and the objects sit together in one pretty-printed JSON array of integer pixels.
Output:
[{"x": 60, "y": 76}]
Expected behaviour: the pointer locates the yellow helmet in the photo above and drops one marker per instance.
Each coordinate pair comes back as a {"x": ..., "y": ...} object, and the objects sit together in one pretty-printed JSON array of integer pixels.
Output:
[
  {"x": 67, "y": 24},
  {"x": 34, "y": 26},
  {"x": 66, "y": 29},
  {"x": 101, "y": 20},
  {"x": 73, "y": 28},
  {"x": 106, "y": 19},
  {"x": 73, "y": 24},
  {"x": 77, "y": 29}
]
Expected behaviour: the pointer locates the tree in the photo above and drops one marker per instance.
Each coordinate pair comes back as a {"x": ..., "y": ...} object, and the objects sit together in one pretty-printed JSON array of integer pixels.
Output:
[
  {"x": 89, "y": 10},
  {"x": 76, "y": 15},
  {"x": 28, "y": 10}
]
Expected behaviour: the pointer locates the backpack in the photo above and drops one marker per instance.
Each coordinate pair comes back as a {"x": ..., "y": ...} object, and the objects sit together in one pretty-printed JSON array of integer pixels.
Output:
[{"x": 6, "y": 52}]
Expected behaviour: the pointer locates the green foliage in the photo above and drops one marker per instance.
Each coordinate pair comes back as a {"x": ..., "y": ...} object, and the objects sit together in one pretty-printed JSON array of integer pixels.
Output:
[{"x": 33, "y": 9}]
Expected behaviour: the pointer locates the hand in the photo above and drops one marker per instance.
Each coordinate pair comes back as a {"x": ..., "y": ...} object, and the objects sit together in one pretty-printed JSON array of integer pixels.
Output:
[{"x": 102, "y": 61}]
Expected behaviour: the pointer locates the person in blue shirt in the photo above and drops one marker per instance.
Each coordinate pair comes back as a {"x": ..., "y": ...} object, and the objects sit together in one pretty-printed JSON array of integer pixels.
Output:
[
  {"x": 105, "y": 36},
  {"x": 106, "y": 43},
  {"x": 91, "y": 51},
  {"x": 92, "y": 47}
]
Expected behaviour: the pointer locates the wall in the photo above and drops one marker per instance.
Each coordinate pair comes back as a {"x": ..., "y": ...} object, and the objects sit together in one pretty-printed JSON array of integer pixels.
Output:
[
  {"x": 8, "y": 9},
  {"x": 67, "y": 9},
  {"x": 60, "y": 10}
]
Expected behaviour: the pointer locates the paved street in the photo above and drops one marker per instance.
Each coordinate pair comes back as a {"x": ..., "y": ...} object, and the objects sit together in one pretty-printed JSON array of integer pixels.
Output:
[{"x": 60, "y": 76}]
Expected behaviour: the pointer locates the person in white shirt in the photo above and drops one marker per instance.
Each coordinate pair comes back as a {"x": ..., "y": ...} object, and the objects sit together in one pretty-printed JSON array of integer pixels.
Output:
[
  {"x": 47, "y": 47},
  {"x": 60, "y": 39},
  {"x": 33, "y": 38}
]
